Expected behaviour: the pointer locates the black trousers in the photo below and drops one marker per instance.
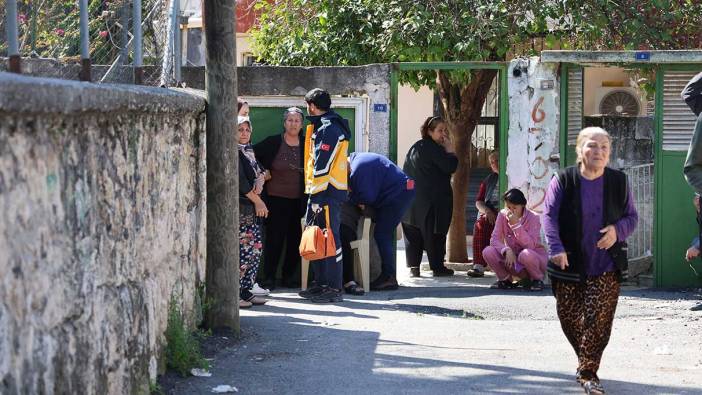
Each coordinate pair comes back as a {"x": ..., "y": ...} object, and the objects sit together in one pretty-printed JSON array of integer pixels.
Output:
[
  {"x": 416, "y": 242},
  {"x": 283, "y": 224}
]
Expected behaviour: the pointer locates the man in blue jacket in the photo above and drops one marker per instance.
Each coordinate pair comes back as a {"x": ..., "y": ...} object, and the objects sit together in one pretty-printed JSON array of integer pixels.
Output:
[
  {"x": 377, "y": 182},
  {"x": 326, "y": 182}
]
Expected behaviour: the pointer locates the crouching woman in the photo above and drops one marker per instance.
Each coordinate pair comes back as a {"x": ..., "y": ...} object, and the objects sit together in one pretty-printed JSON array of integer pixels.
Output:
[{"x": 515, "y": 248}]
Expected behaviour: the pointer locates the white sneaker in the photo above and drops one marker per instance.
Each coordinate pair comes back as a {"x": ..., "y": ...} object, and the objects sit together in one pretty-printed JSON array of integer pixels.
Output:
[{"x": 258, "y": 291}]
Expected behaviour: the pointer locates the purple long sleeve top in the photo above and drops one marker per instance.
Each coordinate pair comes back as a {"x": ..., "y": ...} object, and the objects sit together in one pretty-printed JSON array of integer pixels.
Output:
[{"x": 597, "y": 261}]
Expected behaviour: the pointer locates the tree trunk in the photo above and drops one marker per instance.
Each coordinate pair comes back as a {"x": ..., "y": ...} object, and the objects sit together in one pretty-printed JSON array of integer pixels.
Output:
[
  {"x": 462, "y": 104},
  {"x": 222, "y": 274}
]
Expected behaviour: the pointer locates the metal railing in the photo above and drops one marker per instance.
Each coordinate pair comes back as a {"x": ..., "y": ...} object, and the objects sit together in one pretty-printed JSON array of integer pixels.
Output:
[
  {"x": 642, "y": 188},
  {"x": 108, "y": 41}
]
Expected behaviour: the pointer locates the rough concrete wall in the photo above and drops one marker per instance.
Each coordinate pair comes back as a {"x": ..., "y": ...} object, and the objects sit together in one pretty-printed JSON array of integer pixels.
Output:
[
  {"x": 632, "y": 138},
  {"x": 533, "y": 128},
  {"x": 102, "y": 220},
  {"x": 372, "y": 81}
]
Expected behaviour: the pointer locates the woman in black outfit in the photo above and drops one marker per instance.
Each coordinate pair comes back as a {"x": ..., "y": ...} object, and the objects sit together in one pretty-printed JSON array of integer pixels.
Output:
[
  {"x": 430, "y": 162},
  {"x": 284, "y": 195}
]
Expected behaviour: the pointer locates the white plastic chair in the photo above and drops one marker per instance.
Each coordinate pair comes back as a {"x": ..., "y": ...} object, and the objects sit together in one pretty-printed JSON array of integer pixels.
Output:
[{"x": 361, "y": 257}]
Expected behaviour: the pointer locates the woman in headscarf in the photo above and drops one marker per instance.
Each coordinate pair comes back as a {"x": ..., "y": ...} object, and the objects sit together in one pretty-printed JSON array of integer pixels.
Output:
[{"x": 251, "y": 210}]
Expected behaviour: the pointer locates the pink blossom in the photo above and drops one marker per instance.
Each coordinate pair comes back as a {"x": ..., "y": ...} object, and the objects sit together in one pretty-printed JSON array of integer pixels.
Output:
[
  {"x": 103, "y": 33},
  {"x": 258, "y": 245},
  {"x": 22, "y": 18},
  {"x": 59, "y": 32}
]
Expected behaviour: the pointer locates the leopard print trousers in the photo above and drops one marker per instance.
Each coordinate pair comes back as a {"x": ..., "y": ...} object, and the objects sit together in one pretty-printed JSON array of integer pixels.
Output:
[{"x": 586, "y": 312}]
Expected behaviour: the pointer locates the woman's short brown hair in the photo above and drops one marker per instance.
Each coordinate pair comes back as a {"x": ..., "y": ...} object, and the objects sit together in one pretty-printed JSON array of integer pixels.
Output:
[{"x": 429, "y": 125}]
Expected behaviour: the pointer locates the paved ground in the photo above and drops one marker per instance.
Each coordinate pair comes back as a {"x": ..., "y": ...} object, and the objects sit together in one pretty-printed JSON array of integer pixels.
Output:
[{"x": 453, "y": 336}]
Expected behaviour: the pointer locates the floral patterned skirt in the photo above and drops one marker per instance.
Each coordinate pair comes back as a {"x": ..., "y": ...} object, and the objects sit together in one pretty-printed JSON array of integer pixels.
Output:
[{"x": 250, "y": 250}]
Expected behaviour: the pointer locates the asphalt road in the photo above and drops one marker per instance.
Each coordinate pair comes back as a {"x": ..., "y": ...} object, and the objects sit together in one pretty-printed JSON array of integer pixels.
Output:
[{"x": 452, "y": 336}]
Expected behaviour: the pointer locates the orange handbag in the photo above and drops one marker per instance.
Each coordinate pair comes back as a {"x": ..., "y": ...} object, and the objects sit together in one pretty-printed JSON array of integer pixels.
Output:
[{"x": 317, "y": 243}]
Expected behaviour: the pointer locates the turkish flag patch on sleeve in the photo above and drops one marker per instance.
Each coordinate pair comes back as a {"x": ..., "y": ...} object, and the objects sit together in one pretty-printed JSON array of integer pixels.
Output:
[{"x": 324, "y": 147}]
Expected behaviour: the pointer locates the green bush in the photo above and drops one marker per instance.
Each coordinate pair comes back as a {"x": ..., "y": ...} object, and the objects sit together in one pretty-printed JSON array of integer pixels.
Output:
[{"x": 182, "y": 346}]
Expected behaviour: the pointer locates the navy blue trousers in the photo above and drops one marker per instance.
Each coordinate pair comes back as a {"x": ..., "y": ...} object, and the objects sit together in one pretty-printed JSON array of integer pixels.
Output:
[
  {"x": 387, "y": 218},
  {"x": 329, "y": 271}
]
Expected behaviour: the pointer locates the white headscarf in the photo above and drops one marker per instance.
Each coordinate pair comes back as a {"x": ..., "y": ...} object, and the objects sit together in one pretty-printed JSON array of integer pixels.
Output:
[{"x": 248, "y": 152}]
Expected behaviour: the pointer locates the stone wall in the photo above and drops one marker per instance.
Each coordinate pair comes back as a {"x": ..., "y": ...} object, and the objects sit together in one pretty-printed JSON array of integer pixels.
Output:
[
  {"x": 102, "y": 221},
  {"x": 372, "y": 81},
  {"x": 70, "y": 70}
]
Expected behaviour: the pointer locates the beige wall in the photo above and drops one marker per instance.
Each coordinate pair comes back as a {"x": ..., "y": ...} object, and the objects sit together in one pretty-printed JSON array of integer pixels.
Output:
[
  {"x": 413, "y": 109},
  {"x": 243, "y": 46},
  {"x": 593, "y": 80}
]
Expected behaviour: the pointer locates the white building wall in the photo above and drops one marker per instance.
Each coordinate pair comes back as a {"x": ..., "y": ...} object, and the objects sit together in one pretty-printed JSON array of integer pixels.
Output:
[{"x": 533, "y": 128}]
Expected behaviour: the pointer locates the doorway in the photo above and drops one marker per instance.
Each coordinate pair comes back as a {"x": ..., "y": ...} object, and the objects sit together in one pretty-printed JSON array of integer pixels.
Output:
[{"x": 488, "y": 136}]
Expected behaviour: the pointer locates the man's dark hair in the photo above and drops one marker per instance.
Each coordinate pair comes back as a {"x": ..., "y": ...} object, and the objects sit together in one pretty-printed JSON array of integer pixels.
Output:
[
  {"x": 319, "y": 98},
  {"x": 515, "y": 196}
]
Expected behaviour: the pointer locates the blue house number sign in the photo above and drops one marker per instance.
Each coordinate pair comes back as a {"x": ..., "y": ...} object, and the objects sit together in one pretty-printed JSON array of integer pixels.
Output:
[
  {"x": 380, "y": 107},
  {"x": 643, "y": 56}
]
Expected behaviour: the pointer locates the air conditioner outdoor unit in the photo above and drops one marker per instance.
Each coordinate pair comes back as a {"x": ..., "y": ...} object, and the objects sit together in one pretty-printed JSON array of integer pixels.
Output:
[{"x": 619, "y": 101}]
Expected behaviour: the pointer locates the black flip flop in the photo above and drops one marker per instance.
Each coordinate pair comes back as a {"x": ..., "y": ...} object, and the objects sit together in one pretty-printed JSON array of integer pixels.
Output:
[{"x": 354, "y": 289}]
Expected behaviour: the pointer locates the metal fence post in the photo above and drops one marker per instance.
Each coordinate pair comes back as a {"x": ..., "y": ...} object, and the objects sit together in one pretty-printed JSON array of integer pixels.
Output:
[
  {"x": 136, "y": 26},
  {"x": 84, "y": 42},
  {"x": 177, "y": 45},
  {"x": 123, "y": 58},
  {"x": 11, "y": 32}
]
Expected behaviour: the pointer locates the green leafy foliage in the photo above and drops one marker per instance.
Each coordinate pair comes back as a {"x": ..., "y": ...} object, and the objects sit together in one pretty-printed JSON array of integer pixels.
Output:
[
  {"x": 346, "y": 32},
  {"x": 354, "y": 32},
  {"x": 155, "y": 388},
  {"x": 182, "y": 345},
  {"x": 629, "y": 24}
]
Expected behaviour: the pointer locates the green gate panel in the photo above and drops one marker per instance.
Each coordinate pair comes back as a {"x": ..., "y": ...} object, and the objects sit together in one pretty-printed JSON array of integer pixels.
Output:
[
  {"x": 268, "y": 121},
  {"x": 676, "y": 223}
]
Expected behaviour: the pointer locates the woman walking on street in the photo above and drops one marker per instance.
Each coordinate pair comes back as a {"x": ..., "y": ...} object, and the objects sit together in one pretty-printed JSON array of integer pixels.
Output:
[
  {"x": 430, "y": 162},
  {"x": 588, "y": 214}
]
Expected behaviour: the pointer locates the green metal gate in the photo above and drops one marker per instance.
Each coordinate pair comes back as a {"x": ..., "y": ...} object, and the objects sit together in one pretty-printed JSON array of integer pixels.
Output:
[{"x": 675, "y": 215}]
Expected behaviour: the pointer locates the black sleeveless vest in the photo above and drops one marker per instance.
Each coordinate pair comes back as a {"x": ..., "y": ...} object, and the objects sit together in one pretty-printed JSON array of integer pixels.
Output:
[{"x": 570, "y": 225}]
